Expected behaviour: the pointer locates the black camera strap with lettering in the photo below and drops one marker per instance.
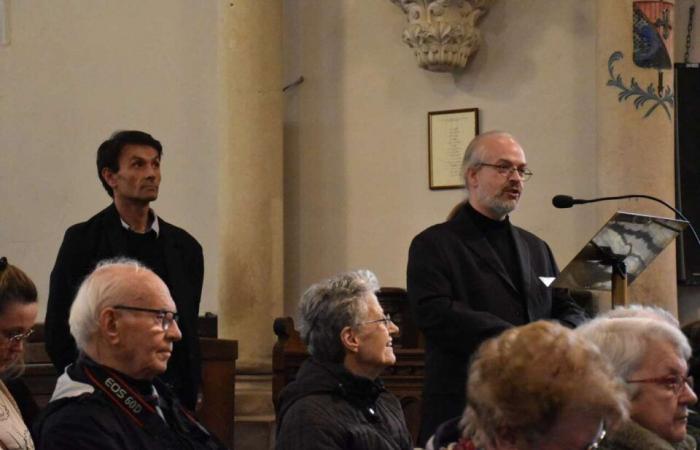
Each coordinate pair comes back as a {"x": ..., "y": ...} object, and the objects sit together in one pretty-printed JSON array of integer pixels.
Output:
[
  {"x": 161, "y": 416},
  {"x": 130, "y": 402}
]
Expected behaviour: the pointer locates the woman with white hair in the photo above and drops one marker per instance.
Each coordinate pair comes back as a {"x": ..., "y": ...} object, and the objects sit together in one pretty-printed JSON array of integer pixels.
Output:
[
  {"x": 650, "y": 356},
  {"x": 337, "y": 401}
]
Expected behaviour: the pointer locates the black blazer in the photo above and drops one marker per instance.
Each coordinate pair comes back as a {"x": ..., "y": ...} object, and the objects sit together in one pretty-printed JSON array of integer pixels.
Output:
[
  {"x": 461, "y": 294},
  {"x": 101, "y": 237}
]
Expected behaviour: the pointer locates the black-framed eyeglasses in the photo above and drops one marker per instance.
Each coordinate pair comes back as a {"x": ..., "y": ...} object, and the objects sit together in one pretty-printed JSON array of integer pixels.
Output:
[
  {"x": 673, "y": 382},
  {"x": 17, "y": 336},
  {"x": 599, "y": 438},
  {"x": 386, "y": 319},
  {"x": 507, "y": 170},
  {"x": 166, "y": 317}
]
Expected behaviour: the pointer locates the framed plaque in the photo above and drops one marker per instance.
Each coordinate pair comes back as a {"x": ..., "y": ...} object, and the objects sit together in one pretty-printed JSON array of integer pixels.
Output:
[{"x": 449, "y": 132}]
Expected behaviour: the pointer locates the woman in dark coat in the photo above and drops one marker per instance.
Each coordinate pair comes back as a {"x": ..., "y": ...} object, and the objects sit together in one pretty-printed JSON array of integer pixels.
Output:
[{"x": 337, "y": 400}]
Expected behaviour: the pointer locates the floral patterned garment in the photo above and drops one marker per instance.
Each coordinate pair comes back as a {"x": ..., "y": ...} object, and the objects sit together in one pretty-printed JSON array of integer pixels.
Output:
[{"x": 14, "y": 434}]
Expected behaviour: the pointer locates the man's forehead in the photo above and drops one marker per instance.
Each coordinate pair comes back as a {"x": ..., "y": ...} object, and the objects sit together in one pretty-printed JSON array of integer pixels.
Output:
[
  {"x": 157, "y": 293},
  {"x": 503, "y": 148},
  {"x": 131, "y": 151},
  {"x": 151, "y": 291}
]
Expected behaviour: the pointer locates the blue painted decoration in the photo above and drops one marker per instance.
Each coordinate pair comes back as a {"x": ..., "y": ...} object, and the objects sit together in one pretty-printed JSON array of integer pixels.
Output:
[
  {"x": 662, "y": 98},
  {"x": 652, "y": 37}
]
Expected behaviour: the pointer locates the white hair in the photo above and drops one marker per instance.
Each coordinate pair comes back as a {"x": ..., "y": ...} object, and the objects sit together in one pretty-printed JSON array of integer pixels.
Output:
[
  {"x": 642, "y": 312},
  {"x": 626, "y": 341},
  {"x": 105, "y": 286},
  {"x": 329, "y": 306}
]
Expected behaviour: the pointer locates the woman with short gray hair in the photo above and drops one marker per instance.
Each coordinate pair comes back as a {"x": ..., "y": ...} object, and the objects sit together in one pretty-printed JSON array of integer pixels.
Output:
[
  {"x": 650, "y": 355},
  {"x": 337, "y": 401}
]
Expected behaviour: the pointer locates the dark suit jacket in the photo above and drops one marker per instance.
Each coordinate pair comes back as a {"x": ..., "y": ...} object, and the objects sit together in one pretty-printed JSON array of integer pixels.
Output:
[
  {"x": 461, "y": 294},
  {"x": 101, "y": 237}
]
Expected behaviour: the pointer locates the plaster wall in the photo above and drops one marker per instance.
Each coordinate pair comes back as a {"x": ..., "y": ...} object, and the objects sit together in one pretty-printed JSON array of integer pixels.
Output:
[
  {"x": 355, "y": 141},
  {"x": 74, "y": 72},
  {"x": 356, "y": 154},
  {"x": 682, "y": 16}
]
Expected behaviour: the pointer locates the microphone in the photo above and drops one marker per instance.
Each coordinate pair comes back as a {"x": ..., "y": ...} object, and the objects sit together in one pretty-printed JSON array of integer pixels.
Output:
[{"x": 567, "y": 201}]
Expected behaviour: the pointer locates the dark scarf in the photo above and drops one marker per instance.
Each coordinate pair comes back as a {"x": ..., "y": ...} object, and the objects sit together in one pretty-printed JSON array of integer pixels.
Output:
[{"x": 360, "y": 392}]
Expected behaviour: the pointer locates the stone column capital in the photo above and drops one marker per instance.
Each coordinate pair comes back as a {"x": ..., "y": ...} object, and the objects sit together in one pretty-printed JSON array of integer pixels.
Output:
[{"x": 442, "y": 33}]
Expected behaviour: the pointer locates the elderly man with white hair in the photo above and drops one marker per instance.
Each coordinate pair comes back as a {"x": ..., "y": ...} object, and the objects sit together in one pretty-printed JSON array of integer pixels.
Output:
[
  {"x": 124, "y": 322},
  {"x": 650, "y": 355}
]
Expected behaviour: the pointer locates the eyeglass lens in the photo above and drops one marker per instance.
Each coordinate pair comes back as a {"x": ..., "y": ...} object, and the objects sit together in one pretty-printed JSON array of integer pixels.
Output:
[{"x": 15, "y": 337}]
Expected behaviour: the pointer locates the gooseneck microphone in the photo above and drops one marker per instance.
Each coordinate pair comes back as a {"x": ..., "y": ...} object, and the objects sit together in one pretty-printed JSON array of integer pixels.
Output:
[{"x": 567, "y": 201}]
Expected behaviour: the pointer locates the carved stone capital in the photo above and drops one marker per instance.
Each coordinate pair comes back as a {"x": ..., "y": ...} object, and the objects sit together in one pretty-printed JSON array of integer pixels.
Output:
[{"x": 442, "y": 33}]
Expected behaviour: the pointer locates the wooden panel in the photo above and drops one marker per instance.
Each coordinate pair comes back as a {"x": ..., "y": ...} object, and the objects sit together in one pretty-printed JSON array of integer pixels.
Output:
[
  {"x": 394, "y": 302},
  {"x": 218, "y": 387},
  {"x": 40, "y": 375}
]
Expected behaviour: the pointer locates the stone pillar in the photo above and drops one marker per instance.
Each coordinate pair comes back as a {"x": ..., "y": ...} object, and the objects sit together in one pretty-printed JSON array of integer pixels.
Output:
[
  {"x": 250, "y": 201},
  {"x": 635, "y": 150}
]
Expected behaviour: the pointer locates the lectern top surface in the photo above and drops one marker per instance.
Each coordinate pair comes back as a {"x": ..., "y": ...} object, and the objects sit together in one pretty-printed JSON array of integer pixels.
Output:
[{"x": 635, "y": 239}]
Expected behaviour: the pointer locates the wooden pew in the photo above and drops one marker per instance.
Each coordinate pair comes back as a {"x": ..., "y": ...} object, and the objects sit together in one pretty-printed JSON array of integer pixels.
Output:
[
  {"x": 218, "y": 386},
  {"x": 216, "y": 410},
  {"x": 404, "y": 379}
]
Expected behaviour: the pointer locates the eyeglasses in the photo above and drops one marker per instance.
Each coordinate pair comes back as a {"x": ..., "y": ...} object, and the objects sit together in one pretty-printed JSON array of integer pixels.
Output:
[
  {"x": 386, "y": 319},
  {"x": 599, "y": 439},
  {"x": 15, "y": 337},
  {"x": 166, "y": 317},
  {"x": 508, "y": 171},
  {"x": 672, "y": 382}
]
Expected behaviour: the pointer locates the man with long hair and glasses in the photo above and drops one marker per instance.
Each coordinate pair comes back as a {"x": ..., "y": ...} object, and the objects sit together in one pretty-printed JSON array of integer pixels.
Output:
[{"x": 476, "y": 275}]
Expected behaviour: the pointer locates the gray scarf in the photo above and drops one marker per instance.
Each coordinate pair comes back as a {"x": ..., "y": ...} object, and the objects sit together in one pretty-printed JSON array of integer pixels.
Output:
[{"x": 631, "y": 436}]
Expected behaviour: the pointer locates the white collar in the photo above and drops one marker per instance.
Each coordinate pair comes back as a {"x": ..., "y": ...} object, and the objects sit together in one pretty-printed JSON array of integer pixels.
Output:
[{"x": 154, "y": 225}]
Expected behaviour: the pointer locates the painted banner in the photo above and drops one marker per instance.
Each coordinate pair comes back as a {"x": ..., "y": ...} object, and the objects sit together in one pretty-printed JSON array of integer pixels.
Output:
[{"x": 652, "y": 25}]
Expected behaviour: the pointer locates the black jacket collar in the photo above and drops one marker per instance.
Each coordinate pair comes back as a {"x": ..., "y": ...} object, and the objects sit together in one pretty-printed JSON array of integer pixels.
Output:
[{"x": 463, "y": 226}]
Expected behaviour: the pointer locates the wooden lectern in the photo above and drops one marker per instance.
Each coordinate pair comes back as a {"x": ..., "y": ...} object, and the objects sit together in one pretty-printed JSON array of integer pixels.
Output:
[{"x": 619, "y": 253}]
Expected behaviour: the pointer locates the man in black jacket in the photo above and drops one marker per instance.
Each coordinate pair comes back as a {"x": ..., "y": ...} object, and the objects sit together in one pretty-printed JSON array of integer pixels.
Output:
[
  {"x": 128, "y": 165},
  {"x": 476, "y": 275},
  {"x": 125, "y": 323}
]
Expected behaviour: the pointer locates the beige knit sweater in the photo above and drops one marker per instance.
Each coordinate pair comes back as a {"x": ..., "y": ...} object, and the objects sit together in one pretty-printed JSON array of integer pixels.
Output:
[{"x": 14, "y": 434}]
